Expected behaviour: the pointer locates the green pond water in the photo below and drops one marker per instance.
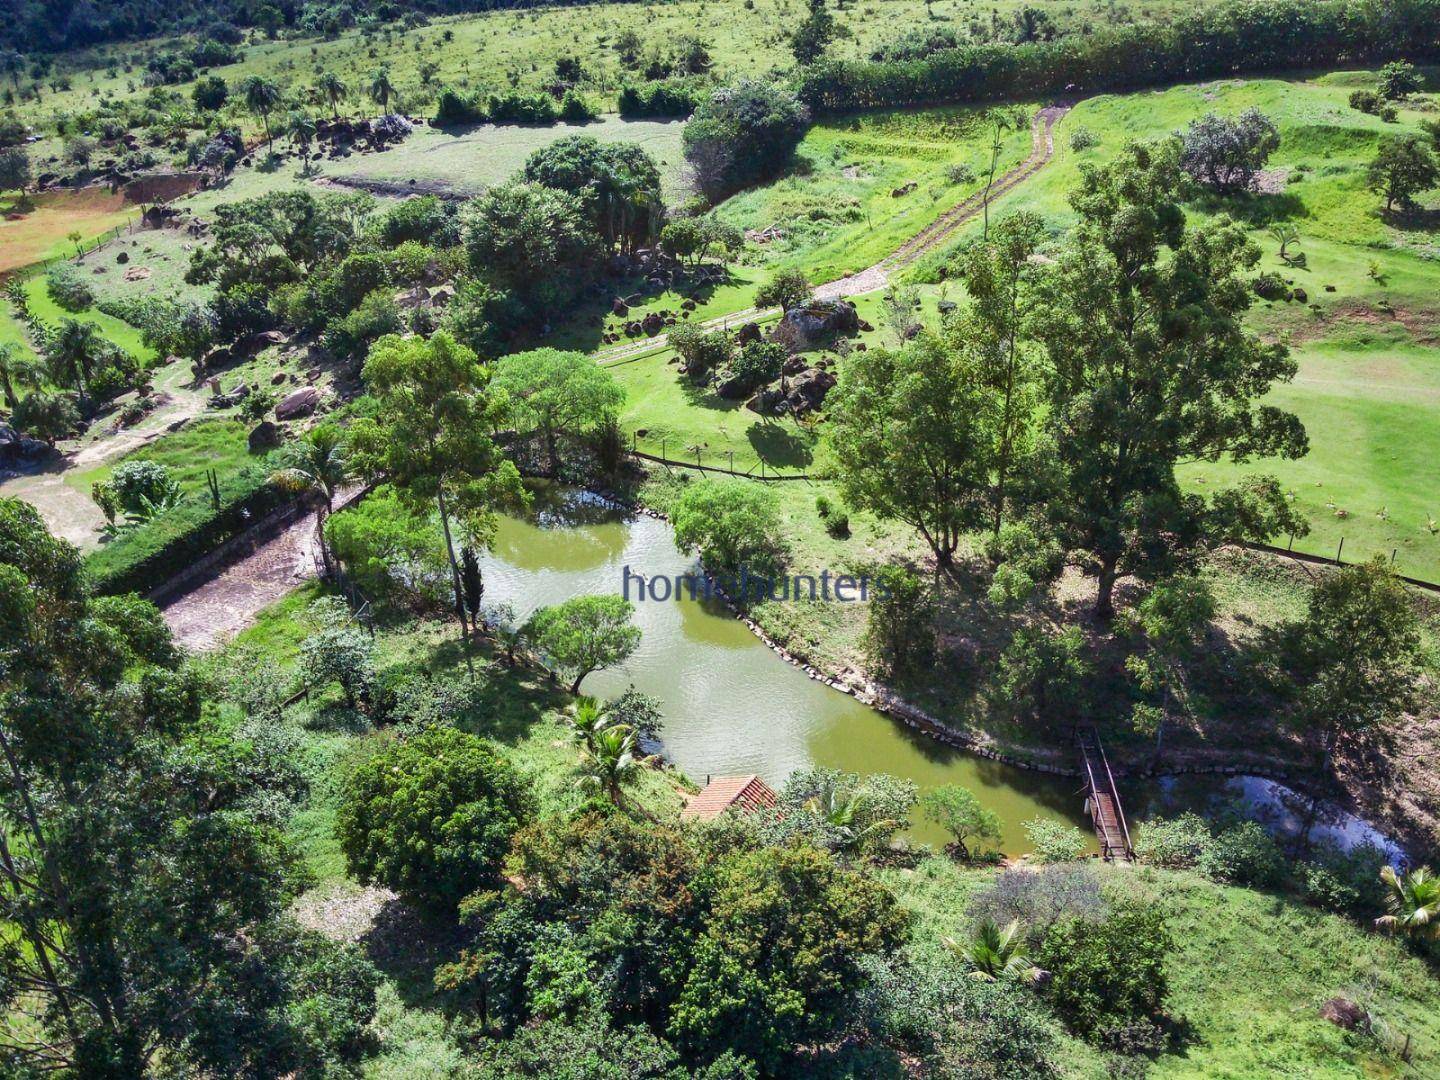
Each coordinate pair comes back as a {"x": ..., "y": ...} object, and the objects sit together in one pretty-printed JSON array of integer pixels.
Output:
[{"x": 732, "y": 707}]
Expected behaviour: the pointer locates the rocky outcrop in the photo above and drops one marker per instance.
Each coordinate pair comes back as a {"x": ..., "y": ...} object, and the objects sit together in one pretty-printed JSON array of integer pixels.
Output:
[{"x": 301, "y": 403}]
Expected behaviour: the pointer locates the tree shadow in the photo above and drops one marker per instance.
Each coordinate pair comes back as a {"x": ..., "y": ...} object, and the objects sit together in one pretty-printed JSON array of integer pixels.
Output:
[
  {"x": 1254, "y": 209},
  {"x": 408, "y": 945},
  {"x": 1415, "y": 219},
  {"x": 780, "y": 445}
]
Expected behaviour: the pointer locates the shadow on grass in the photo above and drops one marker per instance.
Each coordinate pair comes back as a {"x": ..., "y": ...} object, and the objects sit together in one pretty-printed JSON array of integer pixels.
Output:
[
  {"x": 408, "y": 945},
  {"x": 781, "y": 445},
  {"x": 1254, "y": 209}
]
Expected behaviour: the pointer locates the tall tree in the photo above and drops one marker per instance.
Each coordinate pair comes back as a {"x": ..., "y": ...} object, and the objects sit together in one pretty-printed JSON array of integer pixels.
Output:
[
  {"x": 585, "y": 634},
  {"x": 430, "y": 439},
  {"x": 319, "y": 462},
  {"x": 18, "y": 368},
  {"x": 999, "y": 277},
  {"x": 906, "y": 433},
  {"x": 142, "y": 887},
  {"x": 302, "y": 134},
  {"x": 334, "y": 90},
  {"x": 262, "y": 97},
  {"x": 74, "y": 352},
  {"x": 1151, "y": 367},
  {"x": 382, "y": 89}
]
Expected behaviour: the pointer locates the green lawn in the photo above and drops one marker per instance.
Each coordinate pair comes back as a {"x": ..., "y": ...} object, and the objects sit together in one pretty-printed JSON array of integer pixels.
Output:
[
  {"x": 45, "y": 310},
  {"x": 217, "y": 443}
]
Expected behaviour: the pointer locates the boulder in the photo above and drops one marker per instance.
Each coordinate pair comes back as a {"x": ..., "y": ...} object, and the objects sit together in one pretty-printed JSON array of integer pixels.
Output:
[
  {"x": 1344, "y": 1013},
  {"x": 253, "y": 344},
  {"x": 442, "y": 295},
  {"x": 765, "y": 400},
  {"x": 653, "y": 323},
  {"x": 808, "y": 323},
  {"x": 300, "y": 403},
  {"x": 747, "y": 333},
  {"x": 794, "y": 365},
  {"x": 277, "y": 378},
  {"x": 619, "y": 307},
  {"x": 264, "y": 436},
  {"x": 808, "y": 389},
  {"x": 123, "y": 258},
  {"x": 16, "y": 449}
]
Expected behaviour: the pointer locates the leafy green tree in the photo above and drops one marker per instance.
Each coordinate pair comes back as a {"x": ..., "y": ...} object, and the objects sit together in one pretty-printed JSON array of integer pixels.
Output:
[
  {"x": 1226, "y": 154},
  {"x": 1398, "y": 80},
  {"x": 1043, "y": 674},
  {"x": 842, "y": 812},
  {"x": 431, "y": 816},
  {"x": 734, "y": 524},
  {"x": 75, "y": 352},
  {"x": 15, "y": 174},
  {"x": 262, "y": 97},
  {"x": 905, "y": 431},
  {"x": 334, "y": 90},
  {"x": 133, "y": 486},
  {"x": 210, "y": 93},
  {"x": 584, "y": 634},
  {"x": 337, "y": 651},
  {"x": 273, "y": 239},
  {"x": 956, "y": 810},
  {"x": 430, "y": 440},
  {"x": 1171, "y": 622},
  {"x": 45, "y": 416},
  {"x": 1414, "y": 902},
  {"x": 142, "y": 852},
  {"x": 701, "y": 351},
  {"x": 1109, "y": 972},
  {"x": 1403, "y": 167},
  {"x": 785, "y": 289},
  {"x": 19, "y": 368},
  {"x": 587, "y": 1046},
  {"x": 555, "y": 393},
  {"x": 691, "y": 239},
  {"x": 1353, "y": 659},
  {"x": 900, "y": 632},
  {"x": 779, "y": 953},
  {"x": 536, "y": 241},
  {"x": 302, "y": 133},
  {"x": 810, "y": 39},
  {"x": 1152, "y": 366},
  {"x": 743, "y": 134},
  {"x": 999, "y": 277},
  {"x": 620, "y": 182}
]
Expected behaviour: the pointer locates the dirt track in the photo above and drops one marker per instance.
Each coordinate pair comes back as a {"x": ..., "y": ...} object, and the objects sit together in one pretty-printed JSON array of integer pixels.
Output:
[{"x": 1042, "y": 149}]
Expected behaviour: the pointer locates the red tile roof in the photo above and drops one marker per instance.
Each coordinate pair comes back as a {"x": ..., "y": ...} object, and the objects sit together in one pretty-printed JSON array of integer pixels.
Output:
[{"x": 746, "y": 793}]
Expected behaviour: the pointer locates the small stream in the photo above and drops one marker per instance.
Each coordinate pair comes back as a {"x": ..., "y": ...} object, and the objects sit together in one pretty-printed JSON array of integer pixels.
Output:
[{"x": 732, "y": 707}]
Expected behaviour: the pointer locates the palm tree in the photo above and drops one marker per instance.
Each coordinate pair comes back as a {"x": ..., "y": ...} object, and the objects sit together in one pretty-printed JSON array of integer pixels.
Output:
[
  {"x": 17, "y": 368},
  {"x": 382, "y": 89},
  {"x": 334, "y": 90},
  {"x": 262, "y": 96},
  {"x": 1414, "y": 903},
  {"x": 302, "y": 134},
  {"x": 994, "y": 953},
  {"x": 613, "y": 761},
  {"x": 319, "y": 461},
  {"x": 588, "y": 720},
  {"x": 73, "y": 353},
  {"x": 839, "y": 812}
]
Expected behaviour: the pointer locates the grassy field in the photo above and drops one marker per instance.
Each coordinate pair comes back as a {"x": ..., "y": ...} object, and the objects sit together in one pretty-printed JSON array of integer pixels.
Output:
[
  {"x": 43, "y": 308},
  {"x": 40, "y": 228},
  {"x": 497, "y": 50},
  {"x": 217, "y": 443},
  {"x": 1249, "y": 973}
]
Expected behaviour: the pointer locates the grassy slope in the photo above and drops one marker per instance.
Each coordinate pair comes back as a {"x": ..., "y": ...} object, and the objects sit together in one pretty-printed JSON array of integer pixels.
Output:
[
  {"x": 1249, "y": 973},
  {"x": 43, "y": 308}
]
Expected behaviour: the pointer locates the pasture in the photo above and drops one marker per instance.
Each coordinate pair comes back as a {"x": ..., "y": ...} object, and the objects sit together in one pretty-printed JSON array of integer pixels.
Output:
[{"x": 39, "y": 228}]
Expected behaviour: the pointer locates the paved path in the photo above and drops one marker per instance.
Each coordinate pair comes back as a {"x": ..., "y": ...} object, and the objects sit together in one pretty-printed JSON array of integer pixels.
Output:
[
  {"x": 1042, "y": 148},
  {"x": 208, "y": 615}
]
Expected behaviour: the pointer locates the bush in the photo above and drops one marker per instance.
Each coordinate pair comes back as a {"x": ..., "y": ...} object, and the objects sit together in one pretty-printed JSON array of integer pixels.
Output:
[
  {"x": 454, "y": 109},
  {"x": 425, "y": 220},
  {"x": 702, "y": 351},
  {"x": 1344, "y": 882},
  {"x": 513, "y": 107},
  {"x": 1226, "y": 154},
  {"x": 574, "y": 109},
  {"x": 67, "y": 288},
  {"x": 47, "y": 417},
  {"x": 1366, "y": 101},
  {"x": 734, "y": 524},
  {"x": 1082, "y": 138},
  {"x": 149, "y": 555},
  {"x": 1178, "y": 843},
  {"x": 1054, "y": 842},
  {"x": 1271, "y": 286},
  {"x": 1244, "y": 854},
  {"x": 431, "y": 816},
  {"x": 1110, "y": 972},
  {"x": 1041, "y": 898},
  {"x": 757, "y": 363},
  {"x": 657, "y": 99}
]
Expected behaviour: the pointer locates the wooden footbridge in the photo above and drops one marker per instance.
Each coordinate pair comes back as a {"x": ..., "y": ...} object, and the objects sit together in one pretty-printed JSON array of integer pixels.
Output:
[{"x": 1102, "y": 798}]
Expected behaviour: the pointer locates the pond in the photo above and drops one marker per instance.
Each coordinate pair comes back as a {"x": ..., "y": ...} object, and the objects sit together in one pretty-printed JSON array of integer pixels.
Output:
[{"x": 732, "y": 707}]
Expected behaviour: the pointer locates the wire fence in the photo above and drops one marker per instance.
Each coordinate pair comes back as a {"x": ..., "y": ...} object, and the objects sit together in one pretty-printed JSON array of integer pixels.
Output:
[
  {"x": 81, "y": 247},
  {"x": 675, "y": 454}
]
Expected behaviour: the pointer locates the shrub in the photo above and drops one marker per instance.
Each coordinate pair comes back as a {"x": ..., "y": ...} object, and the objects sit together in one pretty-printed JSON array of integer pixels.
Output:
[
  {"x": 1110, "y": 972},
  {"x": 337, "y": 651},
  {"x": 1398, "y": 80},
  {"x": 1347, "y": 882},
  {"x": 743, "y": 134},
  {"x": 67, "y": 288},
  {"x": 1226, "y": 154},
  {"x": 1040, "y": 898},
  {"x": 426, "y": 220},
  {"x": 757, "y": 363},
  {"x": 1054, "y": 842},
  {"x": 431, "y": 816},
  {"x": 702, "y": 351},
  {"x": 1366, "y": 101},
  {"x": 657, "y": 99},
  {"x": 1178, "y": 843},
  {"x": 47, "y": 417},
  {"x": 1082, "y": 138},
  {"x": 1271, "y": 286},
  {"x": 1244, "y": 854},
  {"x": 574, "y": 109},
  {"x": 454, "y": 109},
  {"x": 514, "y": 107}
]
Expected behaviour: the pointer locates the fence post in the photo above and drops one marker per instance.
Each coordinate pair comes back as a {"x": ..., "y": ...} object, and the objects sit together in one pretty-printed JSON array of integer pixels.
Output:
[
  {"x": 1338, "y": 550},
  {"x": 732, "y": 461}
]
